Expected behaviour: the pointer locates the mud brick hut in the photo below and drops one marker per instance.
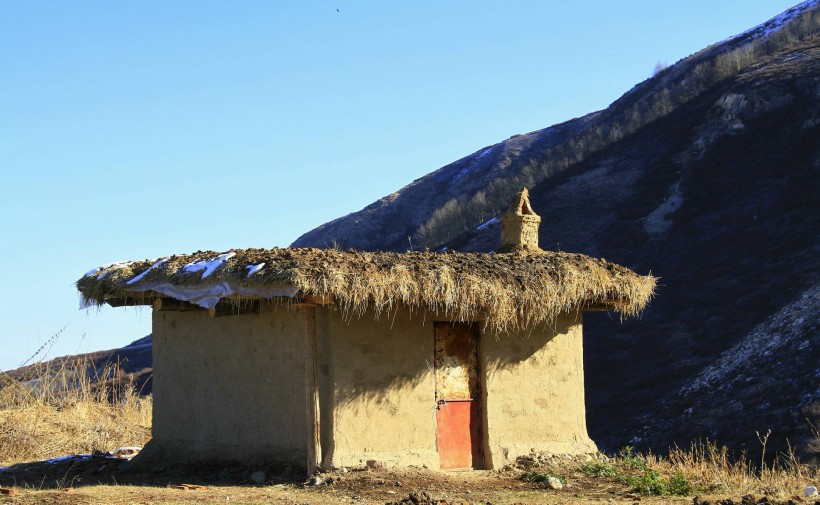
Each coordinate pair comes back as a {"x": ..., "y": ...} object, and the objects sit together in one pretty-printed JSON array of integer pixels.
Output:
[{"x": 332, "y": 358}]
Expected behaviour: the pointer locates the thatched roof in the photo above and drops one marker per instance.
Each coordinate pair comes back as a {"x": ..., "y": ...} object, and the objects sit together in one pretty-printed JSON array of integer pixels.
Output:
[{"x": 510, "y": 290}]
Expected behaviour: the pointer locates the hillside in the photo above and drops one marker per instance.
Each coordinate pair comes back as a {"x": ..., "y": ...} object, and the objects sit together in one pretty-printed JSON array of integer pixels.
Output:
[
  {"x": 132, "y": 365},
  {"x": 707, "y": 176}
]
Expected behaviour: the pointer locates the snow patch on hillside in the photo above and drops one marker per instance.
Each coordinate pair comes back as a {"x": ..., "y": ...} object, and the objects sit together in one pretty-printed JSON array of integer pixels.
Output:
[
  {"x": 484, "y": 225},
  {"x": 777, "y": 22},
  {"x": 469, "y": 167}
]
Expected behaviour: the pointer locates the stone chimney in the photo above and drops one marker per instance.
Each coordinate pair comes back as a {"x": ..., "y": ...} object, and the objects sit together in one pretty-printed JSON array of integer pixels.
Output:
[{"x": 519, "y": 226}]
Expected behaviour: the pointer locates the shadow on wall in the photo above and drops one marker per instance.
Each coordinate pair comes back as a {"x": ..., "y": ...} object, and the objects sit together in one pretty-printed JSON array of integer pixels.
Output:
[
  {"x": 374, "y": 364},
  {"x": 376, "y": 374}
]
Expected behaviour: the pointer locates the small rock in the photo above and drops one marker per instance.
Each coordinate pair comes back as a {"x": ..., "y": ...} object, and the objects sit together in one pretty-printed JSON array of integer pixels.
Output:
[
  {"x": 343, "y": 469},
  {"x": 372, "y": 464},
  {"x": 554, "y": 483},
  {"x": 810, "y": 491},
  {"x": 316, "y": 481},
  {"x": 397, "y": 484},
  {"x": 258, "y": 477}
]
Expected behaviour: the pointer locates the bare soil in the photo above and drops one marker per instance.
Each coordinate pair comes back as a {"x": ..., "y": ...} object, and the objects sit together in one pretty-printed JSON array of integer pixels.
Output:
[{"x": 101, "y": 479}]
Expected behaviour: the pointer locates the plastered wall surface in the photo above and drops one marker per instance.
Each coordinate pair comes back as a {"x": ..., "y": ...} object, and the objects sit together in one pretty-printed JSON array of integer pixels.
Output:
[
  {"x": 230, "y": 387},
  {"x": 234, "y": 388},
  {"x": 534, "y": 392},
  {"x": 377, "y": 379}
]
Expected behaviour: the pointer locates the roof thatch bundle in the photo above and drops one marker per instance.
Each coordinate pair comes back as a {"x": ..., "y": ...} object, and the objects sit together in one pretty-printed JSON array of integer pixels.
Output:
[{"x": 509, "y": 291}]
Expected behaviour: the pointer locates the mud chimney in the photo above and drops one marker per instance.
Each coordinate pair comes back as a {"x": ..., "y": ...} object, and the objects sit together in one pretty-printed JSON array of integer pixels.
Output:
[{"x": 519, "y": 225}]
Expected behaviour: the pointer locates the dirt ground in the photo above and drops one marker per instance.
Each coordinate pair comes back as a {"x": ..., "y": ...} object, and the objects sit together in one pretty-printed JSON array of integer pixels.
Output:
[{"x": 102, "y": 479}]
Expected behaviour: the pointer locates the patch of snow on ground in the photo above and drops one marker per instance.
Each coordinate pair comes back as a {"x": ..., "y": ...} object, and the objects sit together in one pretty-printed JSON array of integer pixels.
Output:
[
  {"x": 54, "y": 461},
  {"x": 207, "y": 267},
  {"x": 252, "y": 269},
  {"x": 488, "y": 223},
  {"x": 140, "y": 276}
]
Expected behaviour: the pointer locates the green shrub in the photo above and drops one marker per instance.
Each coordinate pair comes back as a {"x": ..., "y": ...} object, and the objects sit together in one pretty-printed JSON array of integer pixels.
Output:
[
  {"x": 540, "y": 477},
  {"x": 679, "y": 485},
  {"x": 633, "y": 460},
  {"x": 652, "y": 483},
  {"x": 598, "y": 470}
]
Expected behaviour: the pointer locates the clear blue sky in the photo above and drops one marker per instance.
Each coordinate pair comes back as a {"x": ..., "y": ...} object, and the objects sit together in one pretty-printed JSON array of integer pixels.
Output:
[{"x": 139, "y": 129}]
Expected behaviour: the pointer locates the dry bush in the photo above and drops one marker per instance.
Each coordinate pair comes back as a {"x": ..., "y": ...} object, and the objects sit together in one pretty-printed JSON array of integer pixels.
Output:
[
  {"x": 73, "y": 409},
  {"x": 712, "y": 469}
]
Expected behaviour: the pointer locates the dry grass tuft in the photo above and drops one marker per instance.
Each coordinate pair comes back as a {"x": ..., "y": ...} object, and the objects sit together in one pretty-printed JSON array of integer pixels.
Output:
[
  {"x": 70, "y": 410},
  {"x": 712, "y": 469}
]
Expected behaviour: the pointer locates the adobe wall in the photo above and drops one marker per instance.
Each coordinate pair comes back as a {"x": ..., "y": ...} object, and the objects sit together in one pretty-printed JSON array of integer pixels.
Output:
[
  {"x": 233, "y": 388},
  {"x": 229, "y": 387},
  {"x": 534, "y": 392},
  {"x": 376, "y": 378}
]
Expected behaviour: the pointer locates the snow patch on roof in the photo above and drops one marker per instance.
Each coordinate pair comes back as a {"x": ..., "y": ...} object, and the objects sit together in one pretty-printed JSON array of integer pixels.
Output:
[
  {"x": 115, "y": 264},
  {"x": 207, "y": 267},
  {"x": 140, "y": 276},
  {"x": 208, "y": 296},
  {"x": 252, "y": 269}
]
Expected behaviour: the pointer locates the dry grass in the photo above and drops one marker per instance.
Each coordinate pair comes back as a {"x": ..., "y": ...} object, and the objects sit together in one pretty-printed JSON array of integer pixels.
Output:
[
  {"x": 69, "y": 410},
  {"x": 509, "y": 291},
  {"x": 711, "y": 469}
]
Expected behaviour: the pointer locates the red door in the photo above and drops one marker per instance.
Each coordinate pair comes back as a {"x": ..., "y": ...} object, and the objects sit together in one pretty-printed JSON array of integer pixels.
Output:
[{"x": 458, "y": 416}]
